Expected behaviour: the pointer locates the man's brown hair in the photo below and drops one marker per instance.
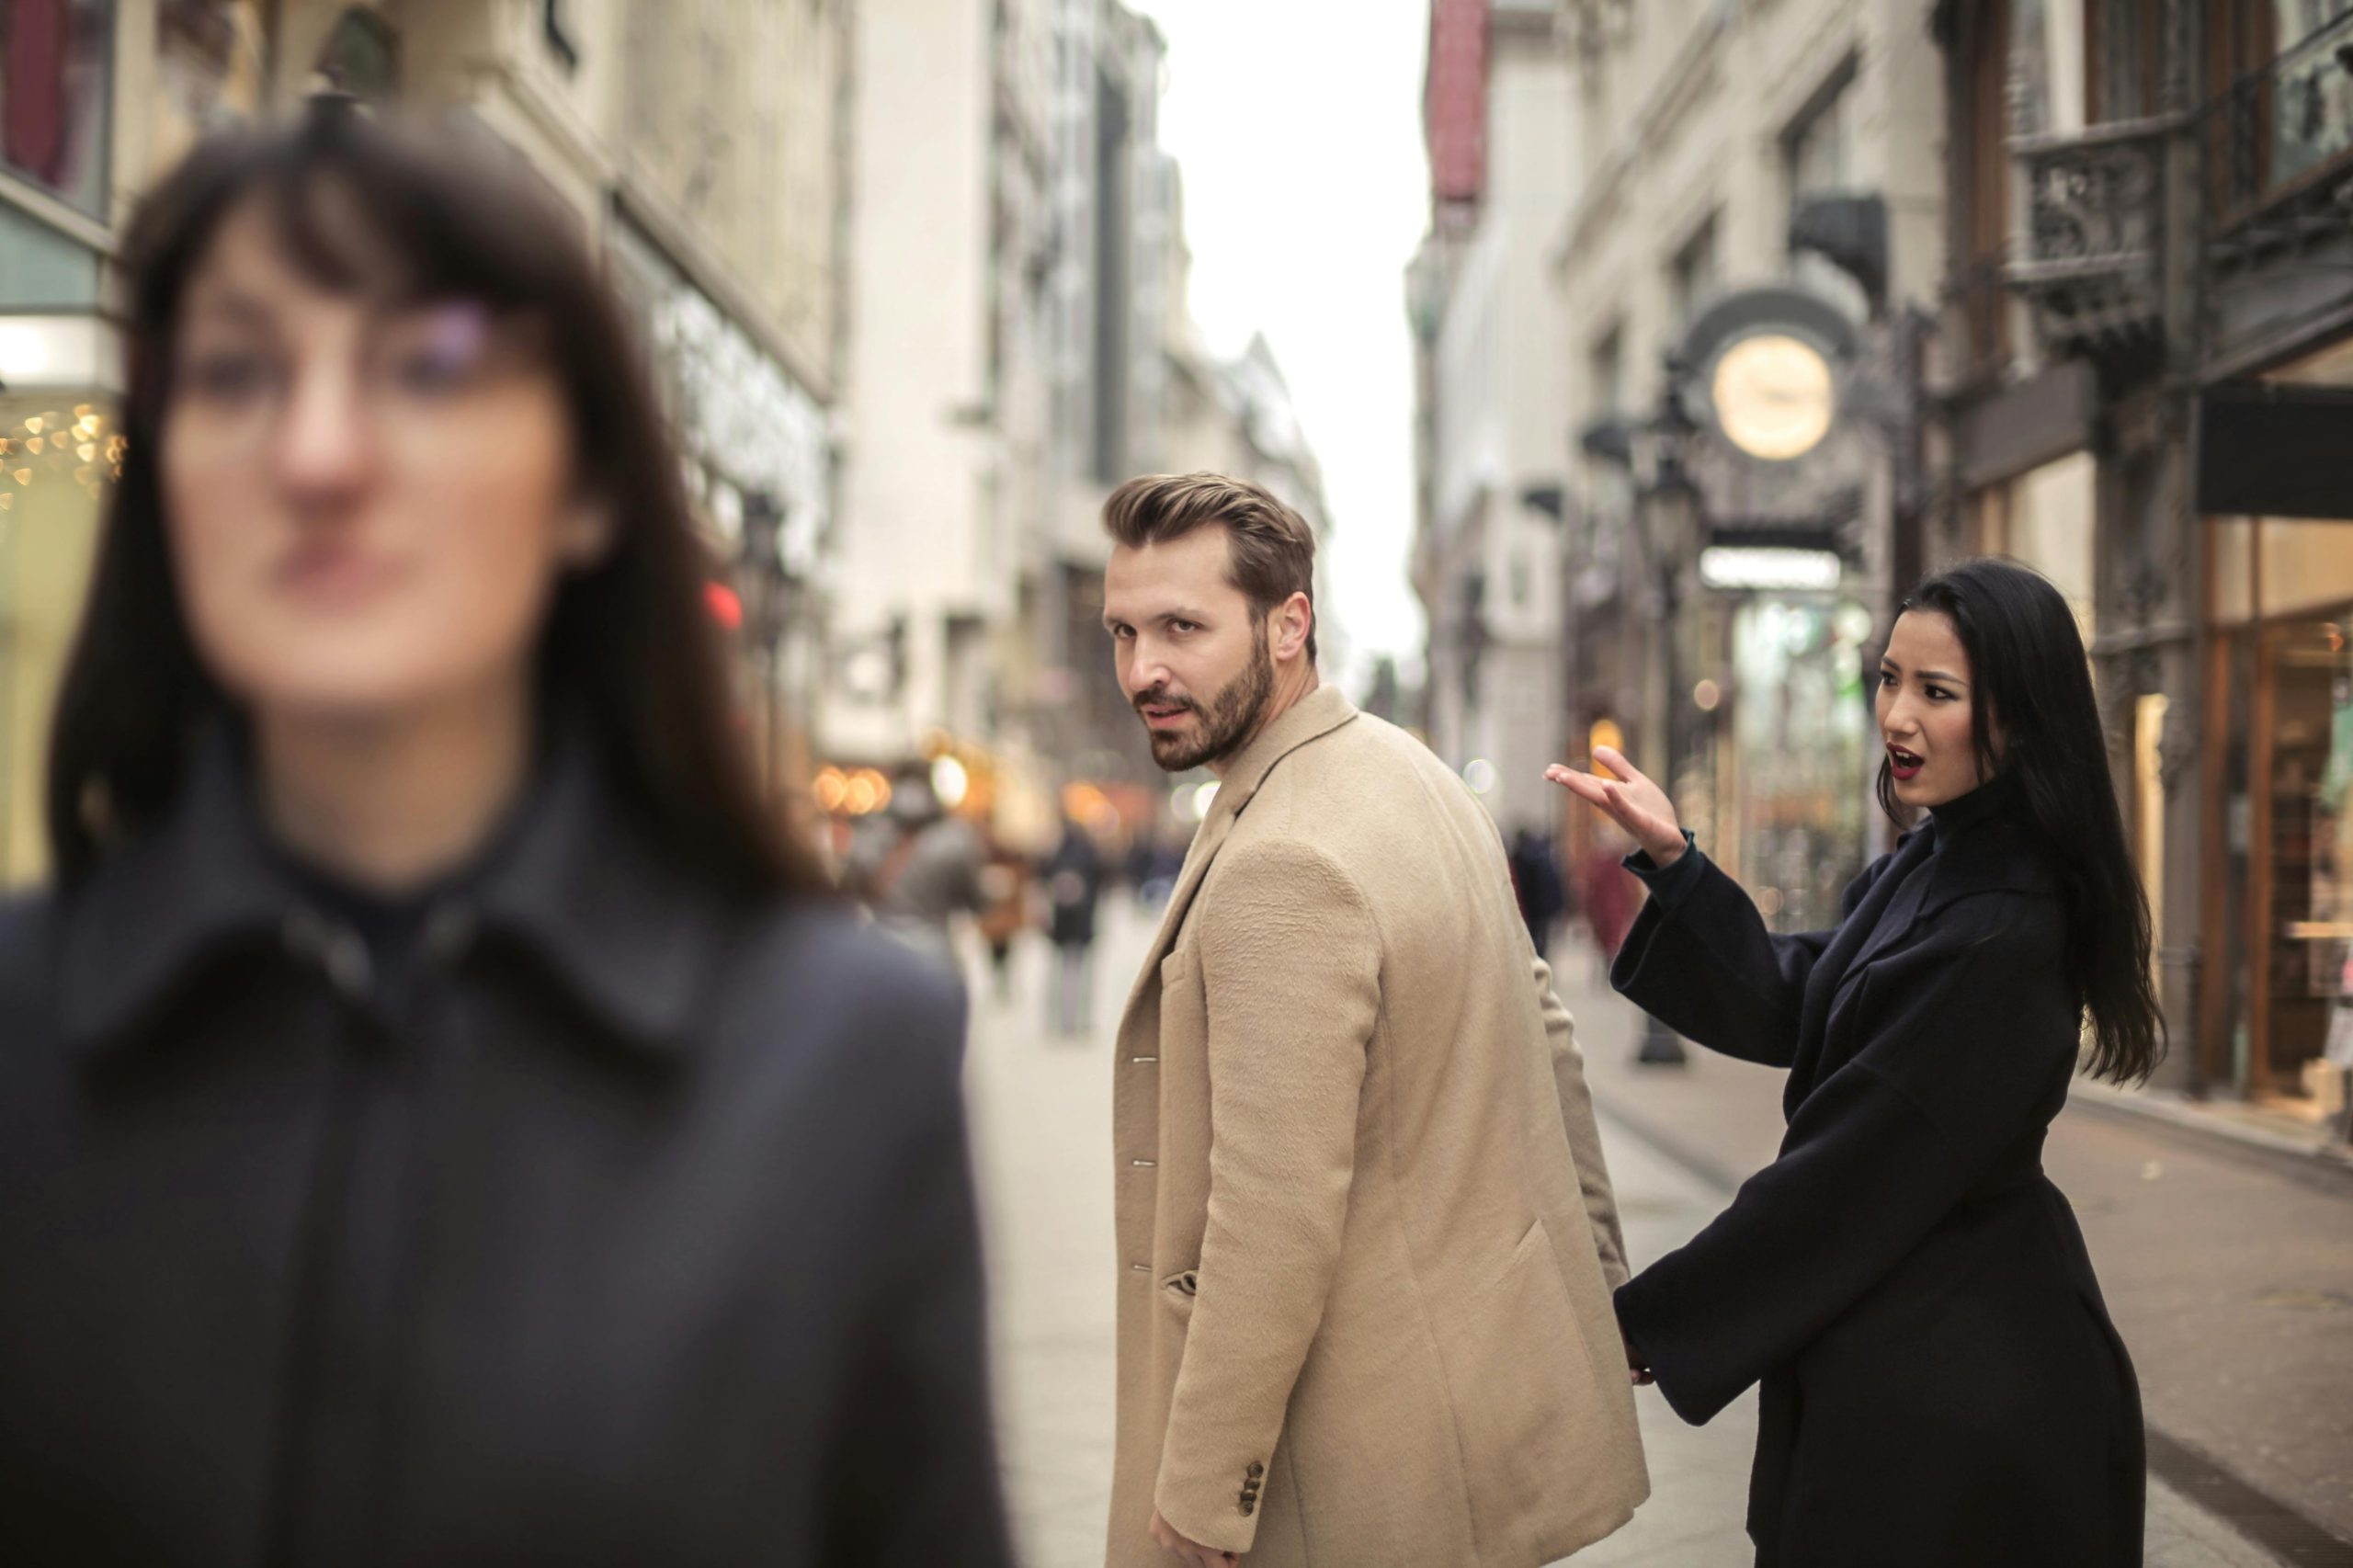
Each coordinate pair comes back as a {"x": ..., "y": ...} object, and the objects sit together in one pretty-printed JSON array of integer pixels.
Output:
[{"x": 1270, "y": 549}]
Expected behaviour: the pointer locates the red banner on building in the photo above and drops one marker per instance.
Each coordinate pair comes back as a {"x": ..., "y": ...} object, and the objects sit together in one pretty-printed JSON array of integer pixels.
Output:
[{"x": 1454, "y": 100}]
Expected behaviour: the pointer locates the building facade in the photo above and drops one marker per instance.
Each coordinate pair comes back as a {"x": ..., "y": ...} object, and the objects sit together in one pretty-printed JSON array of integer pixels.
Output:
[
  {"x": 701, "y": 143},
  {"x": 1492, "y": 399},
  {"x": 1723, "y": 601},
  {"x": 2148, "y": 345}
]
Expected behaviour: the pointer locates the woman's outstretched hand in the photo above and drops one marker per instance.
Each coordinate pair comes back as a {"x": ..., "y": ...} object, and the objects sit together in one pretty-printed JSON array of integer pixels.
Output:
[{"x": 1632, "y": 802}]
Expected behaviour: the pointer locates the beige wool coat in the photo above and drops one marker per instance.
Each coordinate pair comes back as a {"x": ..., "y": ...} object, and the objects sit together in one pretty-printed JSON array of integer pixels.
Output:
[{"x": 1367, "y": 1239}]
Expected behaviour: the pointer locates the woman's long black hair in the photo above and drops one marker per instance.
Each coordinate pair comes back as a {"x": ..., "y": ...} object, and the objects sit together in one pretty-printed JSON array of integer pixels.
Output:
[
  {"x": 422, "y": 213},
  {"x": 2031, "y": 685}
]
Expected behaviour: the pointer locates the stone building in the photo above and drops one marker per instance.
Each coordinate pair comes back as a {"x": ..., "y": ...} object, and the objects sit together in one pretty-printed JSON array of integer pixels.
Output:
[{"x": 700, "y": 140}]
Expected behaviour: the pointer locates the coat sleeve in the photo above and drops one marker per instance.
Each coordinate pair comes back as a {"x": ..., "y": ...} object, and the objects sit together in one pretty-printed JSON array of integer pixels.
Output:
[
  {"x": 1968, "y": 1041},
  {"x": 1584, "y": 1135},
  {"x": 911, "y": 1480},
  {"x": 1700, "y": 960},
  {"x": 1291, "y": 968}
]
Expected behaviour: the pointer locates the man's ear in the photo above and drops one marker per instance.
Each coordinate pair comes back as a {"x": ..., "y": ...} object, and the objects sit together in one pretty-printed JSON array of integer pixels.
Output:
[{"x": 1294, "y": 620}]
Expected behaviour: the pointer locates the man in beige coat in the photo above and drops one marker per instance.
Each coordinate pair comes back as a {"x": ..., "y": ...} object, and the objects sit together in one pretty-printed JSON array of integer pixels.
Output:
[{"x": 1367, "y": 1240}]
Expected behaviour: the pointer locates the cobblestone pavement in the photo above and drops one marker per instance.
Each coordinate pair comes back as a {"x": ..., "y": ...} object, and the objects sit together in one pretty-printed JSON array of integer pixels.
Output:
[{"x": 1040, "y": 1108}]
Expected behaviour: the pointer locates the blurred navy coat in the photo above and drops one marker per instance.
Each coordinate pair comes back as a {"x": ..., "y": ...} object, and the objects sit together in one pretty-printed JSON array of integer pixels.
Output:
[
  {"x": 641, "y": 1233},
  {"x": 1942, "y": 1384}
]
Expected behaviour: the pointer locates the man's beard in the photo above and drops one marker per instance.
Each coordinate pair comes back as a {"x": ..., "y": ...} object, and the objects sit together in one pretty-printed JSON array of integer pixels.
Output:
[{"x": 1228, "y": 723}]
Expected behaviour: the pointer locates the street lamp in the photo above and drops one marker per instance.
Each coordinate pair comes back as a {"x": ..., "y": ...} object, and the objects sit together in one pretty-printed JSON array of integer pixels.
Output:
[
  {"x": 1667, "y": 507},
  {"x": 760, "y": 560}
]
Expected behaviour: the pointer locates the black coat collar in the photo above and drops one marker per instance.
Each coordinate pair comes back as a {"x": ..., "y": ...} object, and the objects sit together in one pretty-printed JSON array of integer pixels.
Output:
[{"x": 578, "y": 886}]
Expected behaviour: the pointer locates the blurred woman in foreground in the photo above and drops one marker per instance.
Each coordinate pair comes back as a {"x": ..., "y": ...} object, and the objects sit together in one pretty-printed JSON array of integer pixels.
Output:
[{"x": 442, "y": 1121}]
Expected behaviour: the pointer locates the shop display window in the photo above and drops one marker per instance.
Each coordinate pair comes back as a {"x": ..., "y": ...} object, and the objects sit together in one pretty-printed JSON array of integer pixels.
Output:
[{"x": 56, "y": 70}]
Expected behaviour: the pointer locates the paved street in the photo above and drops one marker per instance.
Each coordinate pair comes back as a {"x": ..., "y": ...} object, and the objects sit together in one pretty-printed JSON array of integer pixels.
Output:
[{"x": 1040, "y": 1109}]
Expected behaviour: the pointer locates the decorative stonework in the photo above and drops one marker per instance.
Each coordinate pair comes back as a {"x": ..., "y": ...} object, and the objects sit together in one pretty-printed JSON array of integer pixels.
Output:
[{"x": 2093, "y": 264}]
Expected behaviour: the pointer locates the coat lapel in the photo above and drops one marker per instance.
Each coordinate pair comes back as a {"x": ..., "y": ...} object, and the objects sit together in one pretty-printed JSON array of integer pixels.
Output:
[{"x": 1313, "y": 716}]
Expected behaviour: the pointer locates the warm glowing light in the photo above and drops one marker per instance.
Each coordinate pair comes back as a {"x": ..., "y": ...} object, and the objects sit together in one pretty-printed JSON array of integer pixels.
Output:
[
  {"x": 951, "y": 782},
  {"x": 1605, "y": 733},
  {"x": 726, "y": 607},
  {"x": 1706, "y": 696},
  {"x": 860, "y": 796},
  {"x": 829, "y": 787},
  {"x": 1774, "y": 396}
]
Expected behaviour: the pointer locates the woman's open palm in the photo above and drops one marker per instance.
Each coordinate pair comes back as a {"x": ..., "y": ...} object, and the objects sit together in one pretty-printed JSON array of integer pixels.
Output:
[{"x": 1632, "y": 801}]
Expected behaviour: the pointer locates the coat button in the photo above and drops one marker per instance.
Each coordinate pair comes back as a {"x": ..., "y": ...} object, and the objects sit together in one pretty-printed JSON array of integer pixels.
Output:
[{"x": 1255, "y": 1470}]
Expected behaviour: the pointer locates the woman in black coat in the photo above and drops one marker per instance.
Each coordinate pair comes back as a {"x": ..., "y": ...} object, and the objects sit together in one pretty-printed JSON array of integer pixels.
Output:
[
  {"x": 442, "y": 1120},
  {"x": 1940, "y": 1383}
]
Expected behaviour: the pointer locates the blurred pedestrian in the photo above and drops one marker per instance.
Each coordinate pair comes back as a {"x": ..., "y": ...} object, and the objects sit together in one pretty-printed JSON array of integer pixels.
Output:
[
  {"x": 921, "y": 869},
  {"x": 1536, "y": 882},
  {"x": 1074, "y": 880},
  {"x": 1367, "y": 1237},
  {"x": 1005, "y": 909},
  {"x": 1911, "y": 1290},
  {"x": 443, "y": 1121},
  {"x": 1611, "y": 894}
]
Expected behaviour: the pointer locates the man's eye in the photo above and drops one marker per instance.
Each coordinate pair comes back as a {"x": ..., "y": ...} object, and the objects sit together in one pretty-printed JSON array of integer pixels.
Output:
[{"x": 1183, "y": 626}]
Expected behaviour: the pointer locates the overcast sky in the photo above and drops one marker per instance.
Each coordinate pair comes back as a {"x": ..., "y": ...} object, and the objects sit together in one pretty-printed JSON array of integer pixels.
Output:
[{"x": 1298, "y": 124}]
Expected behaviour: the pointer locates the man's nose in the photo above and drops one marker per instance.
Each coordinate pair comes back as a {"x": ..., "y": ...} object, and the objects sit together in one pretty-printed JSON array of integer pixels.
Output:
[{"x": 1146, "y": 669}]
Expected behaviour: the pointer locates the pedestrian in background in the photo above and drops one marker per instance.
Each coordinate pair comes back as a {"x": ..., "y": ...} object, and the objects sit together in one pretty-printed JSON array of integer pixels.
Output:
[
  {"x": 1367, "y": 1234},
  {"x": 1535, "y": 883},
  {"x": 1941, "y": 1383},
  {"x": 919, "y": 869},
  {"x": 1005, "y": 909},
  {"x": 442, "y": 1121},
  {"x": 1073, "y": 883}
]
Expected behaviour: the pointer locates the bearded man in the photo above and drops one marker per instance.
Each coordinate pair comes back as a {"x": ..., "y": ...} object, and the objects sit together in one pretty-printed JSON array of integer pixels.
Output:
[{"x": 1367, "y": 1240}]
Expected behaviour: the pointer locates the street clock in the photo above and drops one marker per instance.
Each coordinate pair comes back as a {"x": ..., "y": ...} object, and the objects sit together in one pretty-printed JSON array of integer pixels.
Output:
[{"x": 1775, "y": 396}]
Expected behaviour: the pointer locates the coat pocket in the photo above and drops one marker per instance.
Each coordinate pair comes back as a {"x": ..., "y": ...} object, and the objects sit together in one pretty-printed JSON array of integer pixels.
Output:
[{"x": 1525, "y": 1392}]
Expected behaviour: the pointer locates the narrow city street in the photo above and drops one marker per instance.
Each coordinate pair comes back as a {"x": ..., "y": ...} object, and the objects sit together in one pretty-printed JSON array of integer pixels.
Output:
[{"x": 1041, "y": 1111}]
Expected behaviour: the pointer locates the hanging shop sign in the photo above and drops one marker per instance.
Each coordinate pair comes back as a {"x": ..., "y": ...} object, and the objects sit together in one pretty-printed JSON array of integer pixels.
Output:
[{"x": 747, "y": 424}]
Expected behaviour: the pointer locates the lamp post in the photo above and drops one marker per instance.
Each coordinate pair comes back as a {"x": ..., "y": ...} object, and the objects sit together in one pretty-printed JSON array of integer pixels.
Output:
[
  {"x": 1667, "y": 507},
  {"x": 760, "y": 559}
]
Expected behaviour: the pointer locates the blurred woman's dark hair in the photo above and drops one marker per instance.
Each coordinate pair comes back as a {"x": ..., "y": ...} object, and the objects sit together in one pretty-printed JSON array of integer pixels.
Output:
[
  {"x": 411, "y": 214},
  {"x": 2034, "y": 719}
]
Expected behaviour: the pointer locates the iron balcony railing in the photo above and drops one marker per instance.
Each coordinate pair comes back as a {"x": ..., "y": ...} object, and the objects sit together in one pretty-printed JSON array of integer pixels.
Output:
[{"x": 2281, "y": 130}]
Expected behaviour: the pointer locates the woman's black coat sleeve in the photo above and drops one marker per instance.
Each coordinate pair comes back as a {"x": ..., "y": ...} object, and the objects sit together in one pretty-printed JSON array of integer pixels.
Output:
[
  {"x": 1700, "y": 960},
  {"x": 1970, "y": 1037}
]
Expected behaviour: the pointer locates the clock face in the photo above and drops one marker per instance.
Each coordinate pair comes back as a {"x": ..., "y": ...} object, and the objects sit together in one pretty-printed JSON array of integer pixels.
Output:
[{"x": 1774, "y": 396}]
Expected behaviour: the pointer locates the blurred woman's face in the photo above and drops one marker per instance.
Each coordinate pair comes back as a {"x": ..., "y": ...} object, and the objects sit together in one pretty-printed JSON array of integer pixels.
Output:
[{"x": 368, "y": 506}]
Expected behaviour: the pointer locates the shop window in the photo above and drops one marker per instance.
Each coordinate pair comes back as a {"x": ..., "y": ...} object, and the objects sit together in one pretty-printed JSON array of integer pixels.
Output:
[
  {"x": 41, "y": 270},
  {"x": 362, "y": 56},
  {"x": 1818, "y": 159},
  {"x": 1981, "y": 179},
  {"x": 210, "y": 68},
  {"x": 2285, "y": 98},
  {"x": 56, "y": 72},
  {"x": 2122, "y": 43}
]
